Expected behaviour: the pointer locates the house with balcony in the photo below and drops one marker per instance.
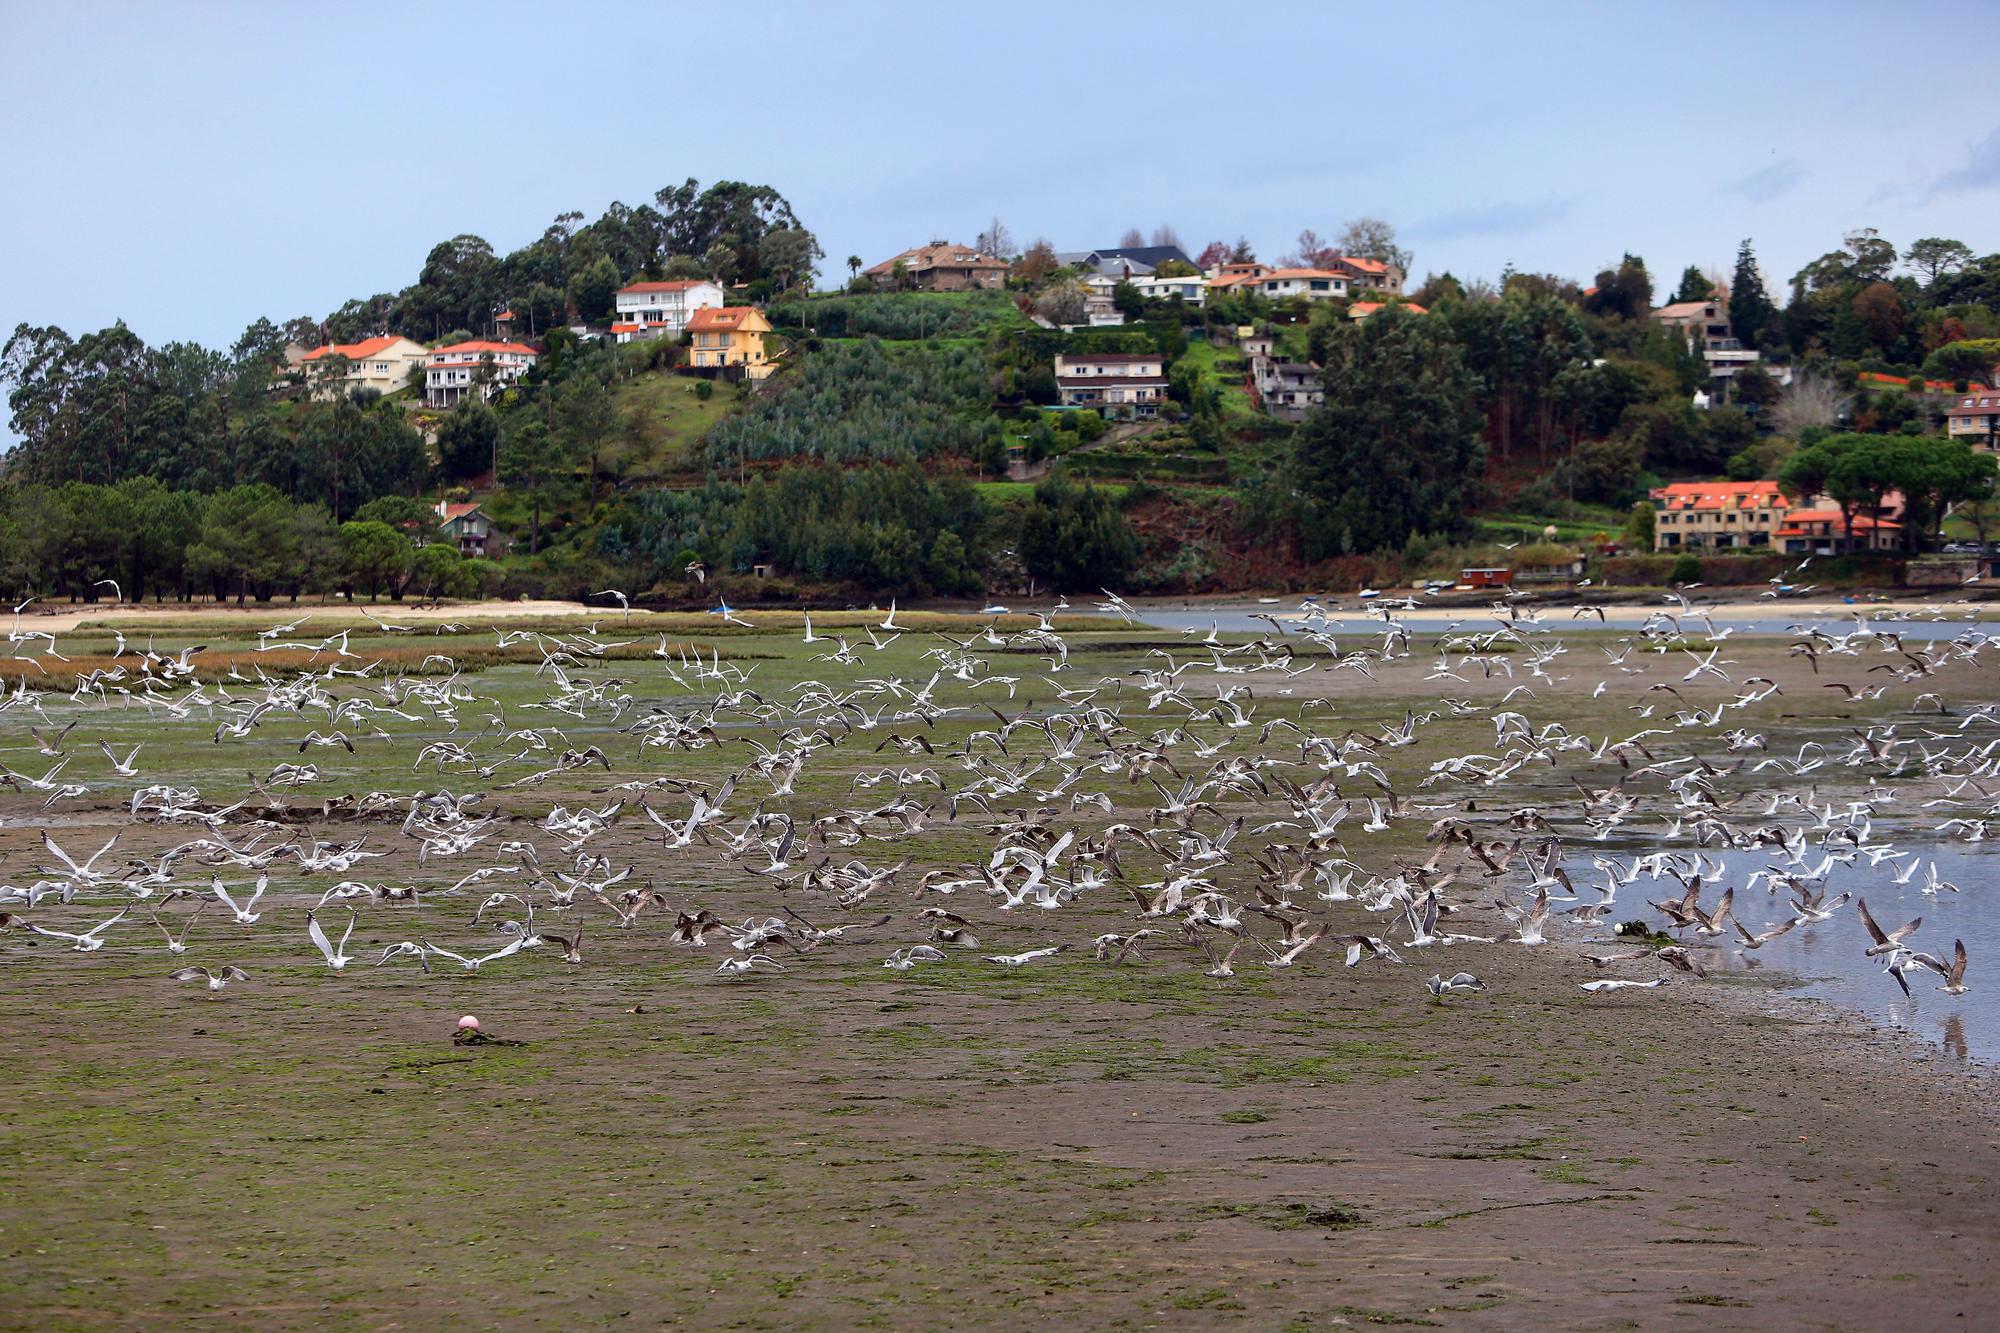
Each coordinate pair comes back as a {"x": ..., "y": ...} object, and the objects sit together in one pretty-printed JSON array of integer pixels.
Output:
[
  {"x": 647, "y": 310},
  {"x": 383, "y": 364},
  {"x": 1126, "y": 386},
  {"x": 1370, "y": 275},
  {"x": 476, "y": 367},
  {"x": 1288, "y": 390},
  {"x": 1313, "y": 284},
  {"x": 1192, "y": 288},
  {"x": 1100, "y": 303},
  {"x": 1975, "y": 419},
  {"x": 730, "y": 338},
  {"x": 939, "y": 267},
  {"x": 1705, "y": 325},
  {"x": 1822, "y": 531},
  {"x": 1721, "y": 515},
  {"x": 464, "y": 526}
]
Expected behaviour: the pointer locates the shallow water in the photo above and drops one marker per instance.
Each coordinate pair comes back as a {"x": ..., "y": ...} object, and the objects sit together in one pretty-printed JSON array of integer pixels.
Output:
[
  {"x": 1826, "y": 960},
  {"x": 1359, "y": 620}
]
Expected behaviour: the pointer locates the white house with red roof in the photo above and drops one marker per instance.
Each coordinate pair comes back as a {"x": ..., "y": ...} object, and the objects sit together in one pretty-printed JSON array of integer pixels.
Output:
[
  {"x": 382, "y": 364},
  {"x": 478, "y": 366},
  {"x": 1314, "y": 284},
  {"x": 662, "y": 309}
]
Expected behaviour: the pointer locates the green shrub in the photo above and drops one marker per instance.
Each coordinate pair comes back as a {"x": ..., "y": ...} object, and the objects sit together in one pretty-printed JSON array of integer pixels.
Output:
[
  {"x": 1687, "y": 569},
  {"x": 850, "y": 402}
]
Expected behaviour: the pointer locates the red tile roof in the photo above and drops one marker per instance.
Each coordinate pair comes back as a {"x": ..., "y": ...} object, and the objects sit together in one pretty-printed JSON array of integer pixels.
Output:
[
  {"x": 1363, "y": 309},
  {"x": 458, "y": 511},
  {"x": 679, "y": 285},
  {"x": 367, "y": 347},
  {"x": 943, "y": 254},
  {"x": 720, "y": 319},
  {"x": 477, "y": 347},
  {"x": 1794, "y": 524},
  {"x": 1302, "y": 274},
  {"x": 1687, "y": 495}
]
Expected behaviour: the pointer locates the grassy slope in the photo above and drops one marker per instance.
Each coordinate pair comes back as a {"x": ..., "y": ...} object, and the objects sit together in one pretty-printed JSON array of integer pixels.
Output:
[{"x": 668, "y": 419}]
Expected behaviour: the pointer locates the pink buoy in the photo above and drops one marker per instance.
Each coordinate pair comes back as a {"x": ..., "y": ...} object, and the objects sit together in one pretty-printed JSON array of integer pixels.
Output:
[{"x": 468, "y": 1023}]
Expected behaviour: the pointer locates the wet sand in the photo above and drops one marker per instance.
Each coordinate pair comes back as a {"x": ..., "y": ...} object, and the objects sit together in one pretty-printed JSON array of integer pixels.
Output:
[{"x": 1102, "y": 1146}]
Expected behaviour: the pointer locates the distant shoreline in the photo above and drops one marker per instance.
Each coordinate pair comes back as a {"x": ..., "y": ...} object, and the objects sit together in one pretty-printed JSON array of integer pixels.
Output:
[{"x": 64, "y": 617}]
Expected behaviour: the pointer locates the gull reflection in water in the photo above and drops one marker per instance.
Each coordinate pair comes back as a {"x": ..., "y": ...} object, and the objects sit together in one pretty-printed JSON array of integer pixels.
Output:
[{"x": 1954, "y": 1036}]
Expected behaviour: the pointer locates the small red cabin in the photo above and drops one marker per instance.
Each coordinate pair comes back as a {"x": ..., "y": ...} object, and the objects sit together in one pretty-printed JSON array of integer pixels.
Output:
[{"x": 1485, "y": 578}]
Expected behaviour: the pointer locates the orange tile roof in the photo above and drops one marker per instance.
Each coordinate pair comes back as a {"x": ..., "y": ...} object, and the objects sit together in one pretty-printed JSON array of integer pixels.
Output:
[
  {"x": 1686, "y": 495},
  {"x": 720, "y": 319},
  {"x": 1365, "y": 265},
  {"x": 478, "y": 346},
  {"x": 627, "y": 328},
  {"x": 1794, "y": 524},
  {"x": 458, "y": 511},
  {"x": 1296, "y": 273},
  {"x": 367, "y": 347},
  {"x": 1362, "y": 309}
]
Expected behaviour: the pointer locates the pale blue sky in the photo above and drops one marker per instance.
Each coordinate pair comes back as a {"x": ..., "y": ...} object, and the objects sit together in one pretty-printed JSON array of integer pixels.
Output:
[{"x": 189, "y": 167}]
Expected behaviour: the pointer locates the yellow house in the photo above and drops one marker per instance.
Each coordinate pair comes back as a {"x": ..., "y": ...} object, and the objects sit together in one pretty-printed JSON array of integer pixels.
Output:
[
  {"x": 382, "y": 364},
  {"x": 730, "y": 335}
]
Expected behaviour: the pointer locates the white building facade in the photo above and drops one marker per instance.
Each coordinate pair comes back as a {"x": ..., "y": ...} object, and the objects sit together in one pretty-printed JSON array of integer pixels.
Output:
[
  {"x": 662, "y": 309},
  {"x": 482, "y": 368}
]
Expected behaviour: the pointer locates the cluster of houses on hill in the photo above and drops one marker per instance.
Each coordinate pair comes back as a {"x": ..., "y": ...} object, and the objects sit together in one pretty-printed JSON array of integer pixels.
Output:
[
  {"x": 722, "y": 337},
  {"x": 386, "y": 364}
]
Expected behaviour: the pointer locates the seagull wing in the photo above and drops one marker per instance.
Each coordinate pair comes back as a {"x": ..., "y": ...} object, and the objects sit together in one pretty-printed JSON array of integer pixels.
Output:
[{"x": 318, "y": 936}]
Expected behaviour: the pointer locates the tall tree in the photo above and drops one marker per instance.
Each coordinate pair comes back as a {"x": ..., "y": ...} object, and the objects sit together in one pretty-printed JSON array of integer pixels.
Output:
[
  {"x": 1164, "y": 234},
  {"x": 1313, "y": 252},
  {"x": 532, "y": 457},
  {"x": 586, "y": 418},
  {"x": 594, "y": 291},
  {"x": 1372, "y": 238},
  {"x": 1750, "y": 310},
  {"x": 996, "y": 240},
  {"x": 1695, "y": 285},
  {"x": 1934, "y": 256},
  {"x": 1132, "y": 239},
  {"x": 1037, "y": 263},
  {"x": 1395, "y": 446},
  {"x": 1625, "y": 292}
]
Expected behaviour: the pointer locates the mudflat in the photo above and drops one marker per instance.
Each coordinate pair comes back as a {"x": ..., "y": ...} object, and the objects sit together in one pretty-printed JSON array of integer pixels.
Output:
[{"x": 1080, "y": 1141}]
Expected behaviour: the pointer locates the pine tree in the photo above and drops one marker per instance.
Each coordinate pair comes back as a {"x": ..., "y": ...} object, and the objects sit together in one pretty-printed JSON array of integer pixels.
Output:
[
  {"x": 1751, "y": 313},
  {"x": 1695, "y": 286}
]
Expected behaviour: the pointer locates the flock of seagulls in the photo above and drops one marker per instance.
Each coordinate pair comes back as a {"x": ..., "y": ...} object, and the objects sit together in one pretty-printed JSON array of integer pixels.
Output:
[{"x": 1222, "y": 799}]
